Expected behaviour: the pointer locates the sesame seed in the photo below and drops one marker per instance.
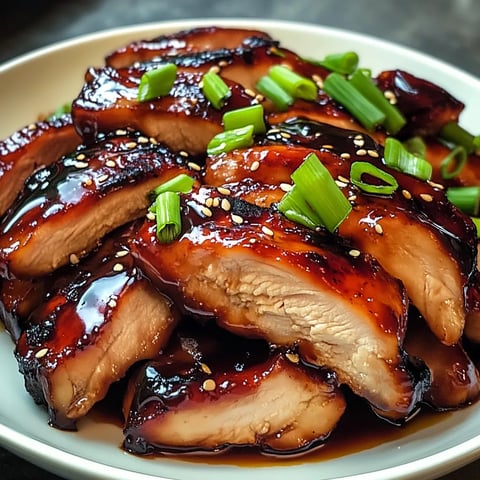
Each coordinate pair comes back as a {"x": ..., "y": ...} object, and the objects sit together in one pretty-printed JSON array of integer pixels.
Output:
[
  {"x": 340, "y": 184},
  {"x": 32, "y": 126},
  {"x": 150, "y": 216},
  {"x": 361, "y": 152},
  {"x": 259, "y": 98},
  {"x": 293, "y": 357},
  {"x": 267, "y": 231},
  {"x": 142, "y": 139},
  {"x": 222, "y": 63},
  {"x": 216, "y": 202},
  {"x": 223, "y": 191},
  {"x": 80, "y": 164},
  {"x": 120, "y": 131},
  {"x": 183, "y": 153},
  {"x": 327, "y": 146},
  {"x": 207, "y": 212},
  {"x": 214, "y": 69},
  {"x": 390, "y": 96},
  {"x": 253, "y": 240},
  {"x": 255, "y": 166},
  {"x": 194, "y": 166},
  {"x": 209, "y": 385},
  {"x": 237, "y": 219},
  {"x": 112, "y": 303},
  {"x": 131, "y": 144},
  {"x": 345, "y": 155},
  {"x": 122, "y": 253},
  {"x": 436, "y": 185},
  {"x": 426, "y": 197},
  {"x": 88, "y": 182},
  {"x": 153, "y": 141},
  {"x": 352, "y": 198},
  {"x": 209, "y": 202},
  {"x": 225, "y": 205},
  {"x": 74, "y": 260},
  {"x": 274, "y": 130},
  {"x": 118, "y": 267},
  {"x": 250, "y": 92},
  {"x": 103, "y": 178},
  {"x": 286, "y": 187},
  {"x": 354, "y": 252},
  {"x": 379, "y": 229},
  {"x": 285, "y": 135},
  {"x": 41, "y": 353},
  {"x": 81, "y": 156},
  {"x": 343, "y": 179},
  {"x": 406, "y": 194},
  {"x": 205, "y": 368},
  {"x": 372, "y": 153},
  {"x": 110, "y": 163}
]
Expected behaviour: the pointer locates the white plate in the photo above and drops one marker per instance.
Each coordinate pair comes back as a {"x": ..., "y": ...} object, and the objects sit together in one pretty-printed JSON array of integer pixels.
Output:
[{"x": 43, "y": 80}]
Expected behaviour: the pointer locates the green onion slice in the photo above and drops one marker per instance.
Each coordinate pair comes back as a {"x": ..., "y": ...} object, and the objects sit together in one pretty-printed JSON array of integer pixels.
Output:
[
  {"x": 453, "y": 163},
  {"x": 358, "y": 169},
  {"x": 344, "y": 63},
  {"x": 168, "y": 216},
  {"x": 398, "y": 157},
  {"x": 241, "y": 117},
  {"x": 157, "y": 83},
  {"x": 215, "y": 89},
  {"x": 230, "y": 139},
  {"x": 274, "y": 92},
  {"x": 416, "y": 146},
  {"x": 339, "y": 88},
  {"x": 452, "y": 132},
  {"x": 294, "y": 84},
  {"x": 394, "y": 119},
  {"x": 467, "y": 199},
  {"x": 315, "y": 198},
  {"x": 476, "y": 222},
  {"x": 181, "y": 183}
]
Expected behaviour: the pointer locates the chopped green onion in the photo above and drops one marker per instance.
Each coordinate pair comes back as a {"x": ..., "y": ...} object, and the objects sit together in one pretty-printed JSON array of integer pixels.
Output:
[
  {"x": 315, "y": 197},
  {"x": 452, "y": 132},
  {"x": 476, "y": 222},
  {"x": 453, "y": 163},
  {"x": 181, "y": 183},
  {"x": 358, "y": 169},
  {"x": 241, "y": 117},
  {"x": 346, "y": 94},
  {"x": 394, "y": 120},
  {"x": 467, "y": 199},
  {"x": 344, "y": 63},
  {"x": 416, "y": 146},
  {"x": 293, "y": 83},
  {"x": 230, "y": 139},
  {"x": 168, "y": 216},
  {"x": 157, "y": 83},
  {"x": 215, "y": 89},
  {"x": 398, "y": 157},
  {"x": 274, "y": 92}
]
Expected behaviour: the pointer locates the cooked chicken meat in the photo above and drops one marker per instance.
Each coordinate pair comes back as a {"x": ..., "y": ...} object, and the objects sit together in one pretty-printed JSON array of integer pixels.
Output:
[
  {"x": 67, "y": 207},
  {"x": 89, "y": 332},
  {"x": 211, "y": 390}
]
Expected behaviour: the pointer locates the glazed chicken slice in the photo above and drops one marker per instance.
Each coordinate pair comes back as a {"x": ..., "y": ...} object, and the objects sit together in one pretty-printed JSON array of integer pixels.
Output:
[
  {"x": 211, "y": 390},
  {"x": 263, "y": 276},
  {"x": 67, "y": 207},
  {"x": 455, "y": 380},
  {"x": 89, "y": 332},
  {"x": 186, "y": 41},
  {"x": 415, "y": 234},
  {"x": 35, "y": 145}
]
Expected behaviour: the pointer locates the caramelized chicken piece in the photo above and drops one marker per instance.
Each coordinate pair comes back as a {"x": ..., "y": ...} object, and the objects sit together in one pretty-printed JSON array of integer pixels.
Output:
[
  {"x": 212, "y": 390},
  {"x": 426, "y": 106},
  {"x": 186, "y": 41},
  {"x": 416, "y": 234},
  {"x": 29, "y": 148},
  {"x": 263, "y": 276},
  {"x": 67, "y": 207},
  {"x": 455, "y": 380},
  {"x": 88, "y": 332}
]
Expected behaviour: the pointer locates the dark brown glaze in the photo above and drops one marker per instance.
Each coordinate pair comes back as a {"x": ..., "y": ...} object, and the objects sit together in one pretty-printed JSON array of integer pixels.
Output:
[
  {"x": 263, "y": 276},
  {"x": 455, "y": 380},
  {"x": 211, "y": 390},
  {"x": 426, "y": 106},
  {"x": 185, "y": 41},
  {"x": 91, "y": 328},
  {"x": 67, "y": 207},
  {"x": 472, "y": 323},
  {"x": 38, "y": 144},
  {"x": 425, "y": 225},
  {"x": 184, "y": 120}
]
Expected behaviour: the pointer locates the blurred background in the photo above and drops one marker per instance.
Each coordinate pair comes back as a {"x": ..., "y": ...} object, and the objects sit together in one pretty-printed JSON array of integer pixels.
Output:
[{"x": 446, "y": 29}]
